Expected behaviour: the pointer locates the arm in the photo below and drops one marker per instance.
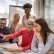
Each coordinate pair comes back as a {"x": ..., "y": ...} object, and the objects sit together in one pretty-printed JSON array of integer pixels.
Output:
[
  {"x": 27, "y": 47},
  {"x": 12, "y": 36},
  {"x": 49, "y": 44},
  {"x": 15, "y": 35}
]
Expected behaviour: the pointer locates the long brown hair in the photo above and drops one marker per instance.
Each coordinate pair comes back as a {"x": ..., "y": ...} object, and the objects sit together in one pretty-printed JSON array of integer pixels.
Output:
[{"x": 45, "y": 30}]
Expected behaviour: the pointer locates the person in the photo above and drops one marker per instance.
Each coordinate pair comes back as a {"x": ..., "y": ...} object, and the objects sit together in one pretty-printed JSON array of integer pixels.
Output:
[
  {"x": 27, "y": 36},
  {"x": 15, "y": 26},
  {"x": 27, "y": 8},
  {"x": 3, "y": 29},
  {"x": 45, "y": 37}
]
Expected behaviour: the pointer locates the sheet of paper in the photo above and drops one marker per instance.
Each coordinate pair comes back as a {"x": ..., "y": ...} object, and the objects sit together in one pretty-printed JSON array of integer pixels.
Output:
[
  {"x": 11, "y": 46},
  {"x": 1, "y": 46}
]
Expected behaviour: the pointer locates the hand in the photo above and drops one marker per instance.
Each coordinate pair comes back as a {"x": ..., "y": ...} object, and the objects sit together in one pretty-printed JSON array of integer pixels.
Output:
[
  {"x": 1, "y": 35},
  {"x": 34, "y": 30},
  {"x": 10, "y": 50},
  {"x": 20, "y": 49},
  {"x": 4, "y": 37},
  {"x": 14, "y": 50}
]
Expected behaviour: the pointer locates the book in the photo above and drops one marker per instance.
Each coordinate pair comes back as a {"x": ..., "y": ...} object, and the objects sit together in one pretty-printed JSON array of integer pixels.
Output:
[{"x": 9, "y": 45}]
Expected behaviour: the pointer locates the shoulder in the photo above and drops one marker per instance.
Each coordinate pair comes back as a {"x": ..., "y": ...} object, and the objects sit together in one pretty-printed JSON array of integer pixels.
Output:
[
  {"x": 33, "y": 17},
  {"x": 51, "y": 36},
  {"x": 23, "y": 29}
]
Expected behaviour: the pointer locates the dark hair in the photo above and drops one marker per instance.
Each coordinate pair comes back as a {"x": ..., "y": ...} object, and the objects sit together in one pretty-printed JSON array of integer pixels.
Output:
[
  {"x": 45, "y": 30},
  {"x": 3, "y": 18},
  {"x": 27, "y": 5}
]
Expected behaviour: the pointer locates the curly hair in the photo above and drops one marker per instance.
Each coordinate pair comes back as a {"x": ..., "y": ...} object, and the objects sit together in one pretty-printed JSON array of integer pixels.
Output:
[{"x": 27, "y": 5}]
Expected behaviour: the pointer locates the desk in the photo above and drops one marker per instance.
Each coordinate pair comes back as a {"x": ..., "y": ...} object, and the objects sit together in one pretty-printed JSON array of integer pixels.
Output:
[
  {"x": 7, "y": 52},
  {"x": 4, "y": 51}
]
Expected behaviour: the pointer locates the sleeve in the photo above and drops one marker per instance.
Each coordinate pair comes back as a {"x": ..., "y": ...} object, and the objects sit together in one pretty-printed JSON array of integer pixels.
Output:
[
  {"x": 27, "y": 47},
  {"x": 48, "y": 44},
  {"x": 33, "y": 45},
  {"x": 15, "y": 35}
]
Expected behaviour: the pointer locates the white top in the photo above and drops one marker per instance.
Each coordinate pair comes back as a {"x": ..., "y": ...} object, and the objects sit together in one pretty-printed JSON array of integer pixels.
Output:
[
  {"x": 24, "y": 19},
  {"x": 45, "y": 48}
]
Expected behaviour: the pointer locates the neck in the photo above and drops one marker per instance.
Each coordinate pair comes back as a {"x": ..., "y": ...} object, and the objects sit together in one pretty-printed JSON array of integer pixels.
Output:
[{"x": 27, "y": 16}]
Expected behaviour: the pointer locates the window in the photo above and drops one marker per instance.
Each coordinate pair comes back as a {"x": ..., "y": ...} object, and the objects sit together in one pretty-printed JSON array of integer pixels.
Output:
[
  {"x": 4, "y": 7},
  {"x": 49, "y": 13}
]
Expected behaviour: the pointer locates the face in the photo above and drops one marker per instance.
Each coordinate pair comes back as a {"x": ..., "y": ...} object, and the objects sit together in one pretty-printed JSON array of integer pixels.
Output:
[
  {"x": 27, "y": 10},
  {"x": 29, "y": 26},
  {"x": 37, "y": 27},
  {"x": 16, "y": 17},
  {"x": 3, "y": 22}
]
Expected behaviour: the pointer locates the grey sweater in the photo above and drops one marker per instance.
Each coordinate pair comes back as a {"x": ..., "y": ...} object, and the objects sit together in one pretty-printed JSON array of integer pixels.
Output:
[{"x": 44, "y": 49}]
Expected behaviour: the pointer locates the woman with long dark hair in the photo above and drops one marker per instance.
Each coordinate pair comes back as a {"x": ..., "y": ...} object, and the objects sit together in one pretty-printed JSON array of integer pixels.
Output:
[{"x": 45, "y": 37}]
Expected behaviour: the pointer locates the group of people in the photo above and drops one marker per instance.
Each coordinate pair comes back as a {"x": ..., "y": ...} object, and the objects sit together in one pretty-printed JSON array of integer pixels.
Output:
[{"x": 36, "y": 35}]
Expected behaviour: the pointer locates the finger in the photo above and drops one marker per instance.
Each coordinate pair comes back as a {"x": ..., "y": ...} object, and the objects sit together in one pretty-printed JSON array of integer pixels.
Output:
[
  {"x": 1, "y": 35},
  {"x": 4, "y": 38}
]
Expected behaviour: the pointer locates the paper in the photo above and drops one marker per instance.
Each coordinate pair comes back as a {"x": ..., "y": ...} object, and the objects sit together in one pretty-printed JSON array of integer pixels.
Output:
[
  {"x": 11, "y": 46},
  {"x": 1, "y": 46}
]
